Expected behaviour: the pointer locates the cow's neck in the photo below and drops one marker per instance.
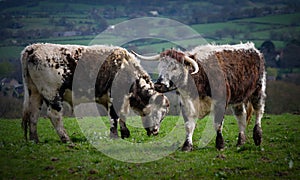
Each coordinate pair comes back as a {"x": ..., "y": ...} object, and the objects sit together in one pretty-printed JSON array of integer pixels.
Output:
[{"x": 141, "y": 92}]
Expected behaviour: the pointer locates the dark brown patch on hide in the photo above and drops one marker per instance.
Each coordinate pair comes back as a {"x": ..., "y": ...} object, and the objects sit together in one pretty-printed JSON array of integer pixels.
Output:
[
  {"x": 140, "y": 96},
  {"x": 32, "y": 59},
  {"x": 29, "y": 51},
  {"x": 67, "y": 62},
  {"x": 179, "y": 56},
  {"x": 201, "y": 81},
  {"x": 108, "y": 71},
  {"x": 242, "y": 70},
  {"x": 69, "y": 69},
  {"x": 111, "y": 74}
]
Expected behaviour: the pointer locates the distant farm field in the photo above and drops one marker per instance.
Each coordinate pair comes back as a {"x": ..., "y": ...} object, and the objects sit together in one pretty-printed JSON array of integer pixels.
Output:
[
  {"x": 257, "y": 29},
  {"x": 277, "y": 158}
]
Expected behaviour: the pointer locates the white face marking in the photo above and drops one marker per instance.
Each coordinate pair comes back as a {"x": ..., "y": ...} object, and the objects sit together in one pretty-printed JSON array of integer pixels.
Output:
[
  {"x": 144, "y": 84},
  {"x": 155, "y": 112},
  {"x": 171, "y": 72}
]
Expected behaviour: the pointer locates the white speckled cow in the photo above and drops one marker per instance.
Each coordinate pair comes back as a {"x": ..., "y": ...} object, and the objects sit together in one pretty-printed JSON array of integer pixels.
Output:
[
  {"x": 48, "y": 71},
  {"x": 234, "y": 73}
]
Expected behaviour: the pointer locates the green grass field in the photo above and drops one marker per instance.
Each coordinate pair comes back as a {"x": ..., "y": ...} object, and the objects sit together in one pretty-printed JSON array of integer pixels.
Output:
[{"x": 277, "y": 158}]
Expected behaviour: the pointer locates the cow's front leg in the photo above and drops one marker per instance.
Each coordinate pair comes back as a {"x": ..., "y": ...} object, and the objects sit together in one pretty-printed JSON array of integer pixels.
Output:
[
  {"x": 114, "y": 128},
  {"x": 113, "y": 122},
  {"x": 257, "y": 130},
  {"x": 189, "y": 128},
  {"x": 125, "y": 133},
  {"x": 188, "y": 112},
  {"x": 258, "y": 102}
]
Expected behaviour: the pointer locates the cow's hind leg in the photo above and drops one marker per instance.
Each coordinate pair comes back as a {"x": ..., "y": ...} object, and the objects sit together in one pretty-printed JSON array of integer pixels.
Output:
[
  {"x": 258, "y": 103},
  {"x": 55, "y": 113},
  {"x": 113, "y": 123},
  {"x": 31, "y": 109},
  {"x": 241, "y": 115},
  {"x": 220, "y": 144},
  {"x": 218, "y": 115},
  {"x": 258, "y": 107}
]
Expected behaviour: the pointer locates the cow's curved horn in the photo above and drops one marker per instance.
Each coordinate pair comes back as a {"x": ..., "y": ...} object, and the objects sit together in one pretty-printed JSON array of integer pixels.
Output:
[
  {"x": 193, "y": 62},
  {"x": 147, "y": 58}
]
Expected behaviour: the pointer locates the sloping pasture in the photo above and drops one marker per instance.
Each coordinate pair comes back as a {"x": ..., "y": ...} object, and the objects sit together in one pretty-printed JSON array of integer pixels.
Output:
[{"x": 278, "y": 157}]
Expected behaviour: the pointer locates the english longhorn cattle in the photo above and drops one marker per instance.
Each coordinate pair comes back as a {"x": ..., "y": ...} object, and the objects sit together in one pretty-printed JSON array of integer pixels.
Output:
[
  {"x": 48, "y": 72},
  {"x": 222, "y": 75}
]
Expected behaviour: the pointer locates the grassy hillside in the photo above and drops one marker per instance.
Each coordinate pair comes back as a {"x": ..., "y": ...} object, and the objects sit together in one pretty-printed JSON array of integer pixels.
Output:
[
  {"x": 251, "y": 29},
  {"x": 278, "y": 157}
]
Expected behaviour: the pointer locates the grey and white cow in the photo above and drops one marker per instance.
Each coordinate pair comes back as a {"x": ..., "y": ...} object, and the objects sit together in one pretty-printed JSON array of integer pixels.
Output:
[
  {"x": 222, "y": 75},
  {"x": 48, "y": 72}
]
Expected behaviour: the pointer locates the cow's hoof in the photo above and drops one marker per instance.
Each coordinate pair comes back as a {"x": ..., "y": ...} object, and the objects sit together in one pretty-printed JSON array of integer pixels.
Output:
[
  {"x": 125, "y": 133},
  {"x": 220, "y": 144},
  {"x": 65, "y": 139},
  {"x": 113, "y": 133},
  {"x": 71, "y": 145},
  {"x": 187, "y": 146},
  {"x": 35, "y": 140},
  {"x": 241, "y": 139},
  {"x": 34, "y": 137},
  {"x": 257, "y": 135}
]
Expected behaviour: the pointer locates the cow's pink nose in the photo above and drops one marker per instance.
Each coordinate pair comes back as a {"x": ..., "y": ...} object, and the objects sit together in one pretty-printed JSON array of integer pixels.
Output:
[{"x": 155, "y": 132}]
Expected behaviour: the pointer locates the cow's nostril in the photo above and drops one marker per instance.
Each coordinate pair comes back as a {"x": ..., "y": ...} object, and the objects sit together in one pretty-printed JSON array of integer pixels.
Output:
[{"x": 171, "y": 84}]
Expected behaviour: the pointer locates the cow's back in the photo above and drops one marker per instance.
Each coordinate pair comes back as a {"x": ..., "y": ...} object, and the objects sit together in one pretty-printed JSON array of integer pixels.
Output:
[
  {"x": 242, "y": 67},
  {"x": 243, "y": 71},
  {"x": 51, "y": 67}
]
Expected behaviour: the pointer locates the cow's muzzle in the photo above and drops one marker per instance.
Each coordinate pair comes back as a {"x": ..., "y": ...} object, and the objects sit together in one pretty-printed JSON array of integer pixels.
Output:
[{"x": 152, "y": 131}]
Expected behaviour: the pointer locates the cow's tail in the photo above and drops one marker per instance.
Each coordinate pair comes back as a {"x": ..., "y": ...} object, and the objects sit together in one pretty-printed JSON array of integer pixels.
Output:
[
  {"x": 249, "y": 110},
  {"x": 25, "y": 76}
]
